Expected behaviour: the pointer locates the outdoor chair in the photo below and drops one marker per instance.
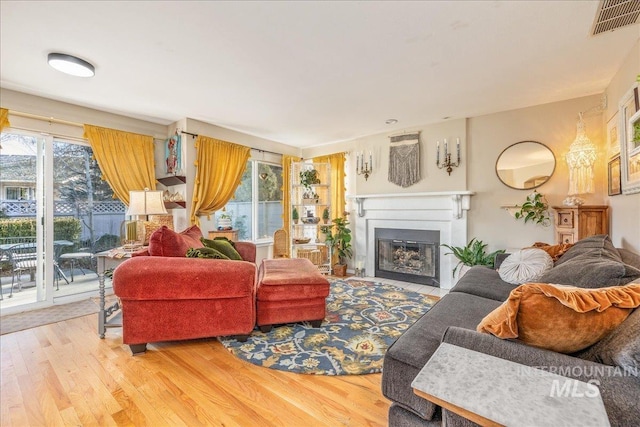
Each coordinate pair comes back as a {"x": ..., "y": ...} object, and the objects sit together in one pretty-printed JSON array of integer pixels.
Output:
[{"x": 22, "y": 257}]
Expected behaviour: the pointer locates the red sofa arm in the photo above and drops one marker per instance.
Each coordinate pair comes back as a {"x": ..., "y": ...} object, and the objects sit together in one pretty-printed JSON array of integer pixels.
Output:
[
  {"x": 247, "y": 251},
  {"x": 167, "y": 278}
]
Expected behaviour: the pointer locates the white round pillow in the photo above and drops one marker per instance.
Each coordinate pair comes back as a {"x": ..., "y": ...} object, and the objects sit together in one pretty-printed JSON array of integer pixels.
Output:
[{"x": 525, "y": 265}]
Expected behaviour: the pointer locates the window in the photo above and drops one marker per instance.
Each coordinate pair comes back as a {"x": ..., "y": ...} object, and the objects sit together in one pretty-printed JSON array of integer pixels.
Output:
[
  {"x": 256, "y": 208},
  {"x": 20, "y": 193}
]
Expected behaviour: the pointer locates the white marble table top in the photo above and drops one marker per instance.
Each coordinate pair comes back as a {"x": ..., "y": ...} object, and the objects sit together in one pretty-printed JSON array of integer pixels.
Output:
[{"x": 506, "y": 392}]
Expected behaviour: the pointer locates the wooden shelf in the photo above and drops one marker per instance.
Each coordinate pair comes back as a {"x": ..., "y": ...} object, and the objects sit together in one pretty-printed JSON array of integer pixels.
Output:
[
  {"x": 175, "y": 205},
  {"x": 168, "y": 181}
]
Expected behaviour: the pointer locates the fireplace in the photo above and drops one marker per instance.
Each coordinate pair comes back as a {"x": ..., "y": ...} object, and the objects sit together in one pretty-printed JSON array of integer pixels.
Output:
[
  {"x": 444, "y": 212},
  {"x": 408, "y": 255}
]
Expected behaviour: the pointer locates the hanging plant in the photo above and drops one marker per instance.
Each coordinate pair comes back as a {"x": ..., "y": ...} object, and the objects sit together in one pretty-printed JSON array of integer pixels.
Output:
[
  {"x": 309, "y": 177},
  {"x": 534, "y": 209}
]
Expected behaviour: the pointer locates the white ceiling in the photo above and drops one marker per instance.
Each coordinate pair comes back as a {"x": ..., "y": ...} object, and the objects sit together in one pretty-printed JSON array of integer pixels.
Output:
[{"x": 309, "y": 73}]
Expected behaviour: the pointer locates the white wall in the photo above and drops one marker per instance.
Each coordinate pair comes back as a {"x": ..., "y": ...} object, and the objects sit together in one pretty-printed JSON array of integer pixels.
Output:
[
  {"x": 551, "y": 124},
  {"x": 18, "y": 102},
  {"x": 483, "y": 139},
  {"x": 625, "y": 209}
]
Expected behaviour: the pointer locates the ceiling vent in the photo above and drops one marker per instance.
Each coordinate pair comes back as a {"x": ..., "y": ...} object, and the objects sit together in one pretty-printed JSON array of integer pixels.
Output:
[{"x": 614, "y": 14}]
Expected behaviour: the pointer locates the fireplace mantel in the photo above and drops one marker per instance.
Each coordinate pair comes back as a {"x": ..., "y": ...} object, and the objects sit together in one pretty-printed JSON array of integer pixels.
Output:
[{"x": 444, "y": 211}]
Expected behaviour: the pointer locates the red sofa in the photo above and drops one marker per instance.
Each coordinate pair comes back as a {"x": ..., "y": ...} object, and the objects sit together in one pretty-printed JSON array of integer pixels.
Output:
[{"x": 168, "y": 298}]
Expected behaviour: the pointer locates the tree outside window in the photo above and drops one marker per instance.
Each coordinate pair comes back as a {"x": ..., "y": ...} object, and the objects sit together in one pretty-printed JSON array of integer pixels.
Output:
[{"x": 256, "y": 208}]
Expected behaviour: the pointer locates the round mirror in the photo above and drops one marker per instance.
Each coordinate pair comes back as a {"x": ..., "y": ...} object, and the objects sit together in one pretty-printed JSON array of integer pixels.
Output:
[{"x": 525, "y": 165}]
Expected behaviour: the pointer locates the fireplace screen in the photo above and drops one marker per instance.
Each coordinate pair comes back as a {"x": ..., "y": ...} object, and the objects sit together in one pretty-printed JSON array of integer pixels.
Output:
[{"x": 408, "y": 255}]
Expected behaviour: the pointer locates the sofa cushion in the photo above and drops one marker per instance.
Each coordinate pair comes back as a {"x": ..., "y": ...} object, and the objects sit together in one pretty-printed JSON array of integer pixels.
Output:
[
  {"x": 620, "y": 348},
  {"x": 599, "y": 244},
  {"x": 525, "y": 265},
  {"x": 406, "y": 357},
  {"x": 565, "y": 319},
  {"x": 591, "y": 270},
  {"x": 484, "y": 282},
  {"x": 168, "y": 243},
  {"x": 591, "y": 263},
  {"x": 222, "y": 245}
]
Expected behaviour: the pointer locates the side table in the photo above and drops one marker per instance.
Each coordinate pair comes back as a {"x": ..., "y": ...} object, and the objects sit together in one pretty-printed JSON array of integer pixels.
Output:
[
  {"x": 106, "y": 260},
  {"x": 491, "y": 391},
  {"x": 229, "y": 234}
]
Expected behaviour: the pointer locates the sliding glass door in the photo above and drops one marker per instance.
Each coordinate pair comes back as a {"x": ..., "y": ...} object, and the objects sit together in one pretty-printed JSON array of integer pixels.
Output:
[
  {"x": 86, "y": 218},
  {"x": 55, "y": 214},
  {"x": 26, "y": 270}
]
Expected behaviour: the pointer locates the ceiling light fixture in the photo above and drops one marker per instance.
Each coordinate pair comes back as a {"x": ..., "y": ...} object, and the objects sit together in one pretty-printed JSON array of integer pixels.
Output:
[
  {"x": 72, "y": 65},
  {"x": 391, "y": 121}
]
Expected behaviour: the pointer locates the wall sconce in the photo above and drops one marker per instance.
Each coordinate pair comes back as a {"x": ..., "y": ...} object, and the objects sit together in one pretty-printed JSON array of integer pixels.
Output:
[
  {"x": 580, "y": 159},
  {"x": 362, "y": 167},
  {"x": 447, "y": 157}
]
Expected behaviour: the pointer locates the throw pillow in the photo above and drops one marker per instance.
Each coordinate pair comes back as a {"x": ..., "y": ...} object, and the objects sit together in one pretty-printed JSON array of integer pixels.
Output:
[
  {"x": 155, "y": 222},
  {"x": 620, "y": 348},
  {"x": 554, "y": 251},
  {"x": 205, "y": 253},
  {"x": 223, "y": 246},
  {"x": 168, "y": 243},
  {"x": 526, "y": 265},
  {"x": 565, "y": 319}
]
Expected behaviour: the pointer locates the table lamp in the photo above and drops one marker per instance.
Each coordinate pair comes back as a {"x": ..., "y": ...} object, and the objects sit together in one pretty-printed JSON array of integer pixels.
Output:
[{"x": 141, "y": 204}]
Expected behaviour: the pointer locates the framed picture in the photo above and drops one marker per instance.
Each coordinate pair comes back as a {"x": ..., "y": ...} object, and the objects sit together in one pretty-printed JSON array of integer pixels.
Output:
[
  {"x": 613, "y": 141},
  {"x": 615, "y": 182},
  {"x": 629, "y": 124}
]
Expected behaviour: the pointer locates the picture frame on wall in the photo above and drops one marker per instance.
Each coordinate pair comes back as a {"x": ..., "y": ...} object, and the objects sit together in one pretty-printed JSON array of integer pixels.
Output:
[
  {"x": 629, "y": 120},
  {"x": 615, "y": 181},
  {"x": 613, "y": 142}
]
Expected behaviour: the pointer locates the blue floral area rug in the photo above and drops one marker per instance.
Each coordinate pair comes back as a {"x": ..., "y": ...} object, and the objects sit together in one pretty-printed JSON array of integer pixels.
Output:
[{"x": 363, "y": 319}]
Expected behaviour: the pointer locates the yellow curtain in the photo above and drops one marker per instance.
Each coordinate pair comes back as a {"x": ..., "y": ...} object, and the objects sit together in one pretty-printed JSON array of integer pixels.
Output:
[
  {"x": 219, "y": 168},
  {"x": 338, "y": 201},
  {"x": 286, "y": 191},
  {"x": 4, "y": 118},
  {"x": 125, "y": 159}
]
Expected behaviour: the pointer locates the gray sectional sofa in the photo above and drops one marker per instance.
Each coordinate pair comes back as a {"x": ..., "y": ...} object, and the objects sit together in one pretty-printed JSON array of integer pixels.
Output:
[{"x": 593, "y": 262}]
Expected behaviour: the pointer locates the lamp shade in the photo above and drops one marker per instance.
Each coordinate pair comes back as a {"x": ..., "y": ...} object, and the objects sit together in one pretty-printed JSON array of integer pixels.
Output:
[{"x": 146, "y": 202}]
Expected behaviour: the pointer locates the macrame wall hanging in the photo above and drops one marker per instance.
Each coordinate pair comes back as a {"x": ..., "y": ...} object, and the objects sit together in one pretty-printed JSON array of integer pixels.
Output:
[{"x": 404, "y": 159}]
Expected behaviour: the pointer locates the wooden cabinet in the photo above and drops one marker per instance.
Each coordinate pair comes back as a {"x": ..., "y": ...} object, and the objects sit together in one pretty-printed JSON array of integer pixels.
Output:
[
  {"x": 229, "y": 234},
  {"x": 575, "y": 223}
]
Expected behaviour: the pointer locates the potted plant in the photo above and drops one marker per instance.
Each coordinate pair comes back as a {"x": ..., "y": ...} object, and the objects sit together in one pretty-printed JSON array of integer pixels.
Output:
[
  {"x": 534, "y": 209},
  {"x": 340, "y": 240},
  {"x": 295, "y": 216},
  {"x": 473, "y": 253},
  {"x": 309, "y": 177},
  {"x": 325, "y": 215}
]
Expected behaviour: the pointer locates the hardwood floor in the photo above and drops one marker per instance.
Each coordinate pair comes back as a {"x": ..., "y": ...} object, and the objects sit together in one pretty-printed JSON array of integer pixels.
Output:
[{"x": 63, "y": 374}]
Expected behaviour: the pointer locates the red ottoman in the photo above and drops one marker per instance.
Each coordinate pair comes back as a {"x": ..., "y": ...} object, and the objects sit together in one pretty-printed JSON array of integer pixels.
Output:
[{"x": 290, "y": 290}]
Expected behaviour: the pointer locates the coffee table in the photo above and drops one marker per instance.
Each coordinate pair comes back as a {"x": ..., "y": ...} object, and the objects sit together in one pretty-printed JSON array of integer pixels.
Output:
[{"x": 491, "y": 391}]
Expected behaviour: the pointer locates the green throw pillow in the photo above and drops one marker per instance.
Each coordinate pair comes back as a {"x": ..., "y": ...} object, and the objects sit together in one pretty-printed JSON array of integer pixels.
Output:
[
  {"x": 205, "y": 253},
  {"x": 224, "y": 246}
]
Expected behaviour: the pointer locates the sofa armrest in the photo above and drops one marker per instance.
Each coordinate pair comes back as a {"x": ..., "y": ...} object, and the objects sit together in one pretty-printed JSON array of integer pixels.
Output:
[
  {"x": 508, "y": 349},
  {"x": 169, "y": 278},
  {"x": 247, "y": 251}
]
